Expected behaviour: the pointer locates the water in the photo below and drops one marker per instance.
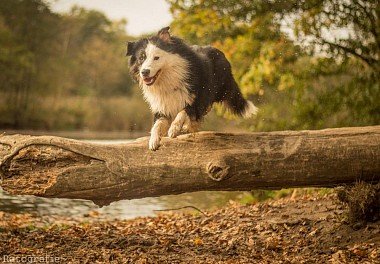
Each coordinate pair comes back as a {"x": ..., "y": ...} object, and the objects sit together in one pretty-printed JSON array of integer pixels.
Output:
[{"x": 126, "y": 209}]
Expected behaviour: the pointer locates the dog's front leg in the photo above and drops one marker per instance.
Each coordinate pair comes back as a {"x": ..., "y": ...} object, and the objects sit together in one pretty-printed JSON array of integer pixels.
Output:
[
  {"x": 159, "y": 129},
  {"x": 181, "y": 119}
]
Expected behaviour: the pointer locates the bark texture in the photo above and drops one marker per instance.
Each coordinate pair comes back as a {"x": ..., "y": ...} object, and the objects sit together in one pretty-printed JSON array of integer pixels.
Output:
[{"x": 49, "y": 166}]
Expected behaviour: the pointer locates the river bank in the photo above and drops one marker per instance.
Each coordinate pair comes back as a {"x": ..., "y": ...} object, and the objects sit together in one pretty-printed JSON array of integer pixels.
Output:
[{"x": 308, "y": 229}]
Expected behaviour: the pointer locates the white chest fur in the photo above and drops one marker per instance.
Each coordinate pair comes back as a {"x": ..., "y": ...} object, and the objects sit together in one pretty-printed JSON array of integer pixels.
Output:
[{"x": 168, "y": 102}]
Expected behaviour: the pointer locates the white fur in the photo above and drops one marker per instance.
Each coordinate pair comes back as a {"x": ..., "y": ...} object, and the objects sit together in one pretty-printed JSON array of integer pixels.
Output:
[
  {"x": 159, "y": 129},
  {"x": 250, "y": 110},
  {"x": 182, "y": 119},
  {"x": 168, "y": 95}
]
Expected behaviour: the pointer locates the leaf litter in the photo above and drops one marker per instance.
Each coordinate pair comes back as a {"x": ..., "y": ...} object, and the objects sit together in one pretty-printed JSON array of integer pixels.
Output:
[{"x": 306, "y": 230}]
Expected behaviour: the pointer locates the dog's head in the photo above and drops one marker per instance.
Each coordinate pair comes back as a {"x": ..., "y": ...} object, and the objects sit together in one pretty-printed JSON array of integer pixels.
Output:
[{"x": 153, "y": 58}]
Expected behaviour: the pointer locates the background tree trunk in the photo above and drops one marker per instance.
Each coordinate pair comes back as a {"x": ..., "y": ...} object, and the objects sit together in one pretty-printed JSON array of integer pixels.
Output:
[{"x": 57, "y": 167}]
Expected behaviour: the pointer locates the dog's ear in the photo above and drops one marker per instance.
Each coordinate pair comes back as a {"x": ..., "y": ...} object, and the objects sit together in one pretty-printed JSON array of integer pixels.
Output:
[
  {"x": 130, "y": 48},
  {"x": 164, "y": 34}
]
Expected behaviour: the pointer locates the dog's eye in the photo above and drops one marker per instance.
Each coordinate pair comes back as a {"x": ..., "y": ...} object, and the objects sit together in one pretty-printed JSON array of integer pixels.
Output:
[
  {"x": 142, "y": 57},
  {"x": 156, "y": 58}
]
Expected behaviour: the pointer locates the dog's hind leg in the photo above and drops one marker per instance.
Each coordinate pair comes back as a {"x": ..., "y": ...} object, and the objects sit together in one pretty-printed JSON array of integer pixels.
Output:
[
  {"x": 235, "y": 101},
  {"x": 192, "y": 127}
]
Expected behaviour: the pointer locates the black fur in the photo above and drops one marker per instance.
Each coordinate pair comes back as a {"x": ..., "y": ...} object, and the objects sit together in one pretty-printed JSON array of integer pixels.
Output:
[{"x": 210, "y": 76}]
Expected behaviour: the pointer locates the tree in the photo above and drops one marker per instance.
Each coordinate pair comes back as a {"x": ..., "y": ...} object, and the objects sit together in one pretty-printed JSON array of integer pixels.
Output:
[
  {"x": 303, "y": 79},
  {"x": 31, "y": 43},
  {"x": 51, "y": 63}
]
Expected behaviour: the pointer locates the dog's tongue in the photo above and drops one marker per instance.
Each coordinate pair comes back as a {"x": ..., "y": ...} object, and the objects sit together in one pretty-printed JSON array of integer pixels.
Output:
[{"x": 149, "y": 79}]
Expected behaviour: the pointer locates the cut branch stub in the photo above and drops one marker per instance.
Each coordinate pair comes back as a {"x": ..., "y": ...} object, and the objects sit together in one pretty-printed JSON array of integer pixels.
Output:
[{"x": 217, "y": 169}]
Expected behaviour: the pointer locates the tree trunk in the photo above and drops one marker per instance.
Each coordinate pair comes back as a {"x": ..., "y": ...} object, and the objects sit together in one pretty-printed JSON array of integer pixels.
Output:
[{"x": 57, "y": 167}]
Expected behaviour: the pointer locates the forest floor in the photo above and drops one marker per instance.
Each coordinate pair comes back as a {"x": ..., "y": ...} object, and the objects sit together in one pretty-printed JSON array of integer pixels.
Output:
[{"x": 303, "y": 230}]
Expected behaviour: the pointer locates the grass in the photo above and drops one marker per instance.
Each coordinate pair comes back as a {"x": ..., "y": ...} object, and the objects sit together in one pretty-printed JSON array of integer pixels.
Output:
[
  {"x": 256, "y": 196},
  {"x": 78, "y": 113},
  {"x": 362, "y": 201}
]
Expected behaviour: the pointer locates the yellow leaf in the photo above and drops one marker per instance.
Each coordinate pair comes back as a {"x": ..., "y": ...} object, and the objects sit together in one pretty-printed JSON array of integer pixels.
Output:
[{"x": 198, "y": 241}]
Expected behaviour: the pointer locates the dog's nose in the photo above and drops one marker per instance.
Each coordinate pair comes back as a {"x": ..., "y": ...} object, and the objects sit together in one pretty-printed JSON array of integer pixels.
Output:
[{"x": 145, "y": 72}]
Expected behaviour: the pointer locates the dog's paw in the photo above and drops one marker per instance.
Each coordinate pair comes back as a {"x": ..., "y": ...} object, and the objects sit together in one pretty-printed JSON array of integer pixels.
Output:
[
  {"x": 154, "y": 142},
  {"x": 174, "y": 130}
]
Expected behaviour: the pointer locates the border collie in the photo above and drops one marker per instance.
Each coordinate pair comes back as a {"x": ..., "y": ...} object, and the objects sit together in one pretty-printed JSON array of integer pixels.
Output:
[{"x": 181, "y": 82}]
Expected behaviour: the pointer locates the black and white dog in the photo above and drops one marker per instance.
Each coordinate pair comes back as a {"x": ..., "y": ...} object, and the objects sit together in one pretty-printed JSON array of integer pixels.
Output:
[{"x": 181, "y": 83}]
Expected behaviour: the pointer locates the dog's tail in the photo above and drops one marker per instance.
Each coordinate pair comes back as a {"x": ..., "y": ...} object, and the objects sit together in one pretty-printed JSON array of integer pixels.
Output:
[{"x": 236, "y": 102}]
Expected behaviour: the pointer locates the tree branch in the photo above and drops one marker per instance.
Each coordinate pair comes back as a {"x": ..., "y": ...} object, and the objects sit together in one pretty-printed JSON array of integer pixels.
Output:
[{"x": 372, "y": 62}]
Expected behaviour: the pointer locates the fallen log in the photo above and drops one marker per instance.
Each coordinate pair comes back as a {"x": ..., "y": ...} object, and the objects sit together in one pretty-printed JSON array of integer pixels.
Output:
[{"x": 50, "y": 166}]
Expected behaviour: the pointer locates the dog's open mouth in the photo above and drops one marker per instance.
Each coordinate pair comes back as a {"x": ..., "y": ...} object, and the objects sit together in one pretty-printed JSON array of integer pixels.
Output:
[{"x": 150, "y": 80}]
